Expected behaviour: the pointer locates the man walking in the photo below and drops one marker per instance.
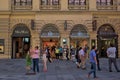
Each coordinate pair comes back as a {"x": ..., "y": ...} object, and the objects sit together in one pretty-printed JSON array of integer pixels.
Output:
[
  {"x": 111, "y": 53},
  {"x": 93, "y": 62}
]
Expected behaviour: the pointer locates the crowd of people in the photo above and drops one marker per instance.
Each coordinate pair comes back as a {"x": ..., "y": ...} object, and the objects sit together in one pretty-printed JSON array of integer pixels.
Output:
[{"x": 79, "y": 55}]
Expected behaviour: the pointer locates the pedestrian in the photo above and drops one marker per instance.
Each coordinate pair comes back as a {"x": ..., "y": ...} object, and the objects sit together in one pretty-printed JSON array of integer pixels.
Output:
[
  {"x": 97, "y": 57},
  {"x": 78, "y": 61},
  {"x": 72, "y": 52},
  {"x": 86, "y": 48},
  {"x": 82, "y": 58},
  {"x": 67, "y": 52},
  {"x": 111, "y": 53},
  {"x": 93, "y": 62},
  {"x": 44, "y": 58},
  {"x": 61, "y": 52},
  {"x": 28, "y": 62},
  {"x": 48, "y": 54},
  {"x": 57, "y": 52},
  {"x": 35, "y": 58}
]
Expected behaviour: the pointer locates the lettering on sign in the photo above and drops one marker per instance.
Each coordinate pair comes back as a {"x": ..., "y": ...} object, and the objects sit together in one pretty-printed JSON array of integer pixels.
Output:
[{"x": 21, "y": 32}]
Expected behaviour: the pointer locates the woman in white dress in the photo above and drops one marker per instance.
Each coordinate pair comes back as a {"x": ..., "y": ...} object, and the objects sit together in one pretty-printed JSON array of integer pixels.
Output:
[{"x": 44, "y": 60}]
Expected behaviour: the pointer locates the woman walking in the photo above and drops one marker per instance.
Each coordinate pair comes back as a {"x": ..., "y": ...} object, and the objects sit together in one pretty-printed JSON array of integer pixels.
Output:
[{"x": 44, "y": 58}]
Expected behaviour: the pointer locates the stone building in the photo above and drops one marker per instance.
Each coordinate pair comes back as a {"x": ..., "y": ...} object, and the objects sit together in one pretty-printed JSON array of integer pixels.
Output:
[{"x": 58, "y": 23}]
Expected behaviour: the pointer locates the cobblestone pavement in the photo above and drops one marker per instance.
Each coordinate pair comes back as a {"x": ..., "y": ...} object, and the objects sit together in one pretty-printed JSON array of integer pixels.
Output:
[{"x": 14, "y": 69}]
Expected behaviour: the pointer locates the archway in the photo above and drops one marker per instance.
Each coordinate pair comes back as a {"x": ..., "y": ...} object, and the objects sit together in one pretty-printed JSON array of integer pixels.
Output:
[
  {"x": 106, "y": 35},
  {"x": 50, "y": 37},
  {"x": 20, "y": 41},
  {"x": 79, "y": 36}
]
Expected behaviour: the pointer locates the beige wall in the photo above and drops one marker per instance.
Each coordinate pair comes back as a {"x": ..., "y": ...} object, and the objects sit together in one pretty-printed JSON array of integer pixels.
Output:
[
  {"x": 10, "y": 18},
  {"x": 4, "y": 5}
]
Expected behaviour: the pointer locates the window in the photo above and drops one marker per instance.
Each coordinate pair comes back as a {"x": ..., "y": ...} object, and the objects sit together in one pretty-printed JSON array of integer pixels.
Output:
[
  {"x": 104, "y": 2},
  {"x": 77, "y": 2},
  {"x": 22, "y": 2},
  {"x": 49, "y": 2}
]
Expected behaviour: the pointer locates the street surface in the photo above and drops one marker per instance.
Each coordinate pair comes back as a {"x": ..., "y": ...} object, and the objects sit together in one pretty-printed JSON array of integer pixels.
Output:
[{"x": 14, "y": 69}]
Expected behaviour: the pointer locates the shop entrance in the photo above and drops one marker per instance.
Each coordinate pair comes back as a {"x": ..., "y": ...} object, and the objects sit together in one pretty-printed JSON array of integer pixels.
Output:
[
  {"x": 20, "y": 41},
  {"x": 51, "y": 43},
  {"x": 79, "y": 42},
  {"x": 106, "y": 35},
  {"x": 49, "y": 37},
  {"x": 104, "y": 44},
  {"x": 79, "y": 36},
  {"x": 20, "y": 46}
]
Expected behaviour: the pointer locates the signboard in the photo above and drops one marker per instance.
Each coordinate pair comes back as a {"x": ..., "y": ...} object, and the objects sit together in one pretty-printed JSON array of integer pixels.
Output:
[{"x": 21, "y": 31}]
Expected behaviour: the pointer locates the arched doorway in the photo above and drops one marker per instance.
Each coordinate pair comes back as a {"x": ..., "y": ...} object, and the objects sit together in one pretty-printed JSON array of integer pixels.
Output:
[
  {"x": 79, "y": 36},
  {"x": 106, "y": 35},
  {"x": 20, "y": 41},
  {"x": 50, "y": 36}
]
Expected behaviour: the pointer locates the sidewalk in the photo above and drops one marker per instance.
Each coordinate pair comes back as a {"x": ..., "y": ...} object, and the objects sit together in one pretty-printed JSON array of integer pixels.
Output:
[{"x": 14, "y": 69}]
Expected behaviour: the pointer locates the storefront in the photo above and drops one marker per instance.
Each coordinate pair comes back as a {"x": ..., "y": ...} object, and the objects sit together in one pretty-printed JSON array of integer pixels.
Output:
[
  {"x": 79, "y": 36},
  {"x": 49, "y": 36},
  {"x": 20, "y": 41},
  {"x": 106, "y": 35}
]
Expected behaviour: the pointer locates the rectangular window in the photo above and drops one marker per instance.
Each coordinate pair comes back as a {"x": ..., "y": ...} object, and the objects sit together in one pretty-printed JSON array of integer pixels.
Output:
[
  {"x": 104, "y": 2},
  {"x": 77, "y": 2},
  {"x": 22, "y": 4},
  {"x": 49, "y": 2}
]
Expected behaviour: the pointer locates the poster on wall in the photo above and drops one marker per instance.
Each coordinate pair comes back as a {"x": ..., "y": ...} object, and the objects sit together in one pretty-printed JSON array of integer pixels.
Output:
[{"x": 1, "y": 45}]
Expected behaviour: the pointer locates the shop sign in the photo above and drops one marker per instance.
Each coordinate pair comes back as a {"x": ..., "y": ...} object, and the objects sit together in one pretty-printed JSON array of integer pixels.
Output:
[{"x": 21, "y": 32}]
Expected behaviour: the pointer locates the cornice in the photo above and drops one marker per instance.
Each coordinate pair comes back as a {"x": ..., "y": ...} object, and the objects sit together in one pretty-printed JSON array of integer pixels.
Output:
[
  {"x": 59, "y": 12},
  {"x": 5, "y": 12}
]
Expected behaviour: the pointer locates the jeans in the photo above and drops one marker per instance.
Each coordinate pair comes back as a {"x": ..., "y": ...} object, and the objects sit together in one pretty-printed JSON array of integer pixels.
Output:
[
  {"x": 112, "y": 60},
  {"x": 36, "y": 64},
  {"x": 93, "y": 69}
]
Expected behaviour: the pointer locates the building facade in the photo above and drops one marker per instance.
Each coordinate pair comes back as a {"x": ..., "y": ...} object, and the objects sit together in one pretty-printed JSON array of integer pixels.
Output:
[{"x": 58, "y": 22}]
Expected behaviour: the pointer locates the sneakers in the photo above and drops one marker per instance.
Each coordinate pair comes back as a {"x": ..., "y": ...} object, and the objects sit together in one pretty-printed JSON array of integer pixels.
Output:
[{"x": 118, "y": 70}]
